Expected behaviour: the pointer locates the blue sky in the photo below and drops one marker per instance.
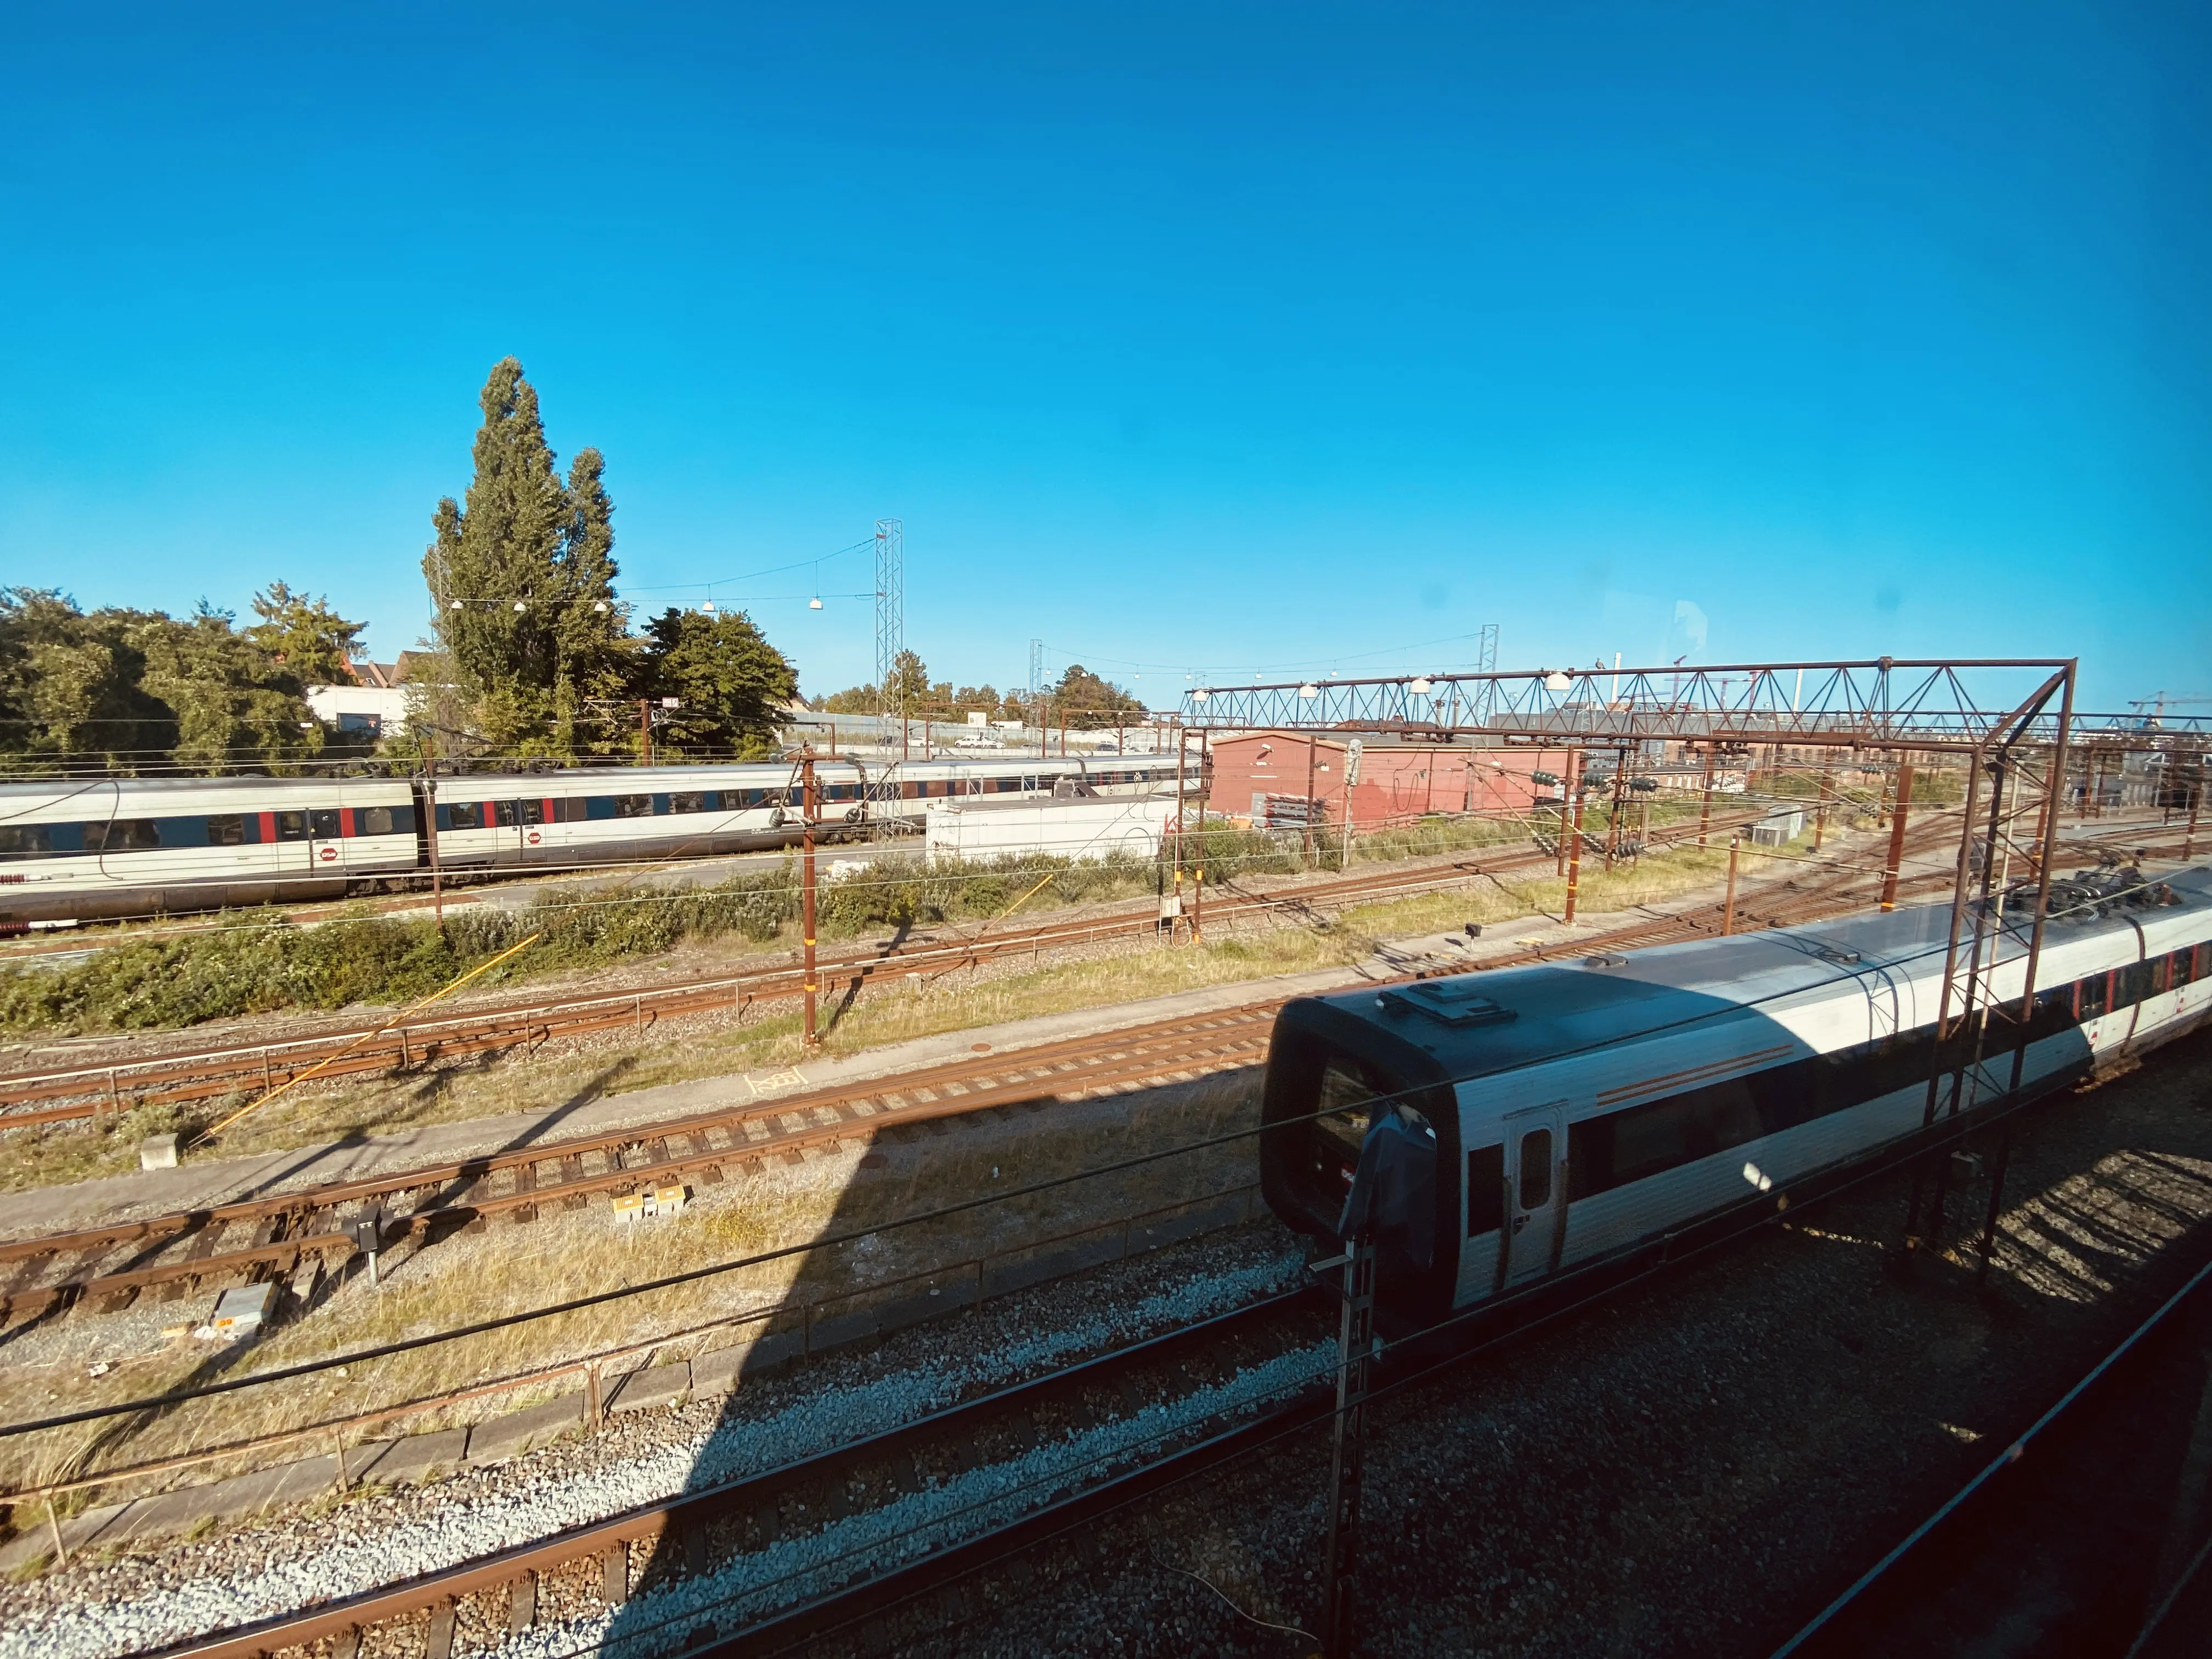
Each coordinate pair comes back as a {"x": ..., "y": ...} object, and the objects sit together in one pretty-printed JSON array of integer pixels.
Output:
[{"x": 1198, "y": 338}]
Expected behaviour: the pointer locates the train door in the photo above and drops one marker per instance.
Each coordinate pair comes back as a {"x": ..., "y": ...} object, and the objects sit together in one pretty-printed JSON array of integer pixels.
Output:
[
  {"x": 522, "y": 823},
  {"x": 327, "y": 851},
  {"x": 1535, "y": 1152}
]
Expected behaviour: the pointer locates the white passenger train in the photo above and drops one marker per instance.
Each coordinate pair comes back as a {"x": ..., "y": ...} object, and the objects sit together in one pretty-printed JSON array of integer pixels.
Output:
[
  {"x": 1581, "y": 1112},
  {"x": 85, "y": 848}
]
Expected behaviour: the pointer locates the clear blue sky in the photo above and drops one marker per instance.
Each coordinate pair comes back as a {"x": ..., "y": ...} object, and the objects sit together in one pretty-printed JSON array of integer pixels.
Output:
[{"x": 1202, "y": 338}]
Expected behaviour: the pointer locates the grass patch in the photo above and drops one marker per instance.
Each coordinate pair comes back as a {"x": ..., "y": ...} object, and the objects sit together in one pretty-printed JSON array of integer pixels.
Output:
[{"x": 488, "y": 1086}]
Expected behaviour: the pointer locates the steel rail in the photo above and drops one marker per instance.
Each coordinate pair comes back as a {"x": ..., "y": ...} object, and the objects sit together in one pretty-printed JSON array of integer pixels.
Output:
[
  {"x": 344, "y": 1622},
  {"x": 1179, "y": 1048},
  {"x": 105, "y": 1086},
  {"x": 350, "y": 1615}
]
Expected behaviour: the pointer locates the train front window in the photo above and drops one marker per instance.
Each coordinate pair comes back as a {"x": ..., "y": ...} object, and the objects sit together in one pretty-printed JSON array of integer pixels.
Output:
[{"x": 1346, "y": 1102}]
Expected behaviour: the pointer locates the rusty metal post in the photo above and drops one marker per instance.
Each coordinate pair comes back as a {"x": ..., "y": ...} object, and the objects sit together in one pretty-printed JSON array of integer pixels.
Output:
[
  {"x": 1705, "y": 811},
  {"x": 807, "y": 891},
  {"x": 1820, "y": 806},
  {"x": 2195, "y": 799},
  {"x": 645, "y": 732},
  {"x": 1896, "y": 836},
  {"x": 1181, "y": 748},
  {"x": 1612, "y": 819},
  {"x": 430, "y": 838},
  {"x": 1728, "y": 905},
  {"x": 1575, "y": 846},
  {"x": 1313, "y": 759}
]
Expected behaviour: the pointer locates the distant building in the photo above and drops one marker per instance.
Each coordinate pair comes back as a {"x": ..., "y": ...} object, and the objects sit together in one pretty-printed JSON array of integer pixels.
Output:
[
  {"x": 1268, "y": 775},
  {"x": 371, "y": 703}
]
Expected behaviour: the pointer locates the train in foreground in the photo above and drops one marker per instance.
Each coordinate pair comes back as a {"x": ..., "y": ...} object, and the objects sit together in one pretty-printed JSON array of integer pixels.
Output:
[
  {"x": 83, "y": 849},
  {"x": 1581, "y": 1113}
]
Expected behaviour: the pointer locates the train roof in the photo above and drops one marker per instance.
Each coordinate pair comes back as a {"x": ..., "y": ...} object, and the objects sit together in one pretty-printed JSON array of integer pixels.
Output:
[{"x": 1486, "y": 1021}]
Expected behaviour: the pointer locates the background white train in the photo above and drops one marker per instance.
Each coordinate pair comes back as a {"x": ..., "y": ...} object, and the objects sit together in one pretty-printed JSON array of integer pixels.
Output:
[
  {"x": 120, "y": 846},
  {"x": 1582, "y": 1112}
]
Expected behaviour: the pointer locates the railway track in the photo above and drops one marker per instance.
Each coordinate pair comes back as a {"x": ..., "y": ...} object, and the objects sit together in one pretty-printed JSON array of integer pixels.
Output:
[
  {"x": 282, "y": 1236},
  {"x": 363, "y": 1049},
  {"x": 698, "y": 1535},
  {"x": 701, "y": 1572}
]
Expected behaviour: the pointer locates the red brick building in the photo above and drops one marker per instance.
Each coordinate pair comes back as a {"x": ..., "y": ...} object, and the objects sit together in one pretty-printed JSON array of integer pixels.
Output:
[{"x": 1399, "y": 780}]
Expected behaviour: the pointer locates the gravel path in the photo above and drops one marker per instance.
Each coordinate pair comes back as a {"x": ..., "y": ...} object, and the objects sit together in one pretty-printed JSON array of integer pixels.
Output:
[{"x": 1692, "y": 1469}]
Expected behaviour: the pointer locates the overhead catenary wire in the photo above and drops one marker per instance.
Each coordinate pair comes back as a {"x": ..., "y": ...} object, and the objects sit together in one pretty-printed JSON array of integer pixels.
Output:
[{"x": 1831, "y": 974}]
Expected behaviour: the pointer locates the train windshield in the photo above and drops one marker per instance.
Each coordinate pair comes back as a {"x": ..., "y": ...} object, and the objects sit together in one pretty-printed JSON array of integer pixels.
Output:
[{"x": 1346, "y": 1099}]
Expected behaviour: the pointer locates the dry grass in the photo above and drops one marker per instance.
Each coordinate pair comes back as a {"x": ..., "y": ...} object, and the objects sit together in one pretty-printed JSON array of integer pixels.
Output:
[
  {"x": 719, "y": 1046},
  {"x": 510, "y": 1268}
]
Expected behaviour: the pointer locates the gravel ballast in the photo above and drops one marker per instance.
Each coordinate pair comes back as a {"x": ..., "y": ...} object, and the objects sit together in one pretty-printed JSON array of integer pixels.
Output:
[{"x": 1693, "y": 1467}]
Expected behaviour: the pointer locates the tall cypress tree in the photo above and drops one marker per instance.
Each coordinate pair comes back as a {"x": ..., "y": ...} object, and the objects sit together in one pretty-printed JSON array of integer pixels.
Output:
[{"x": 522, "y": 575}]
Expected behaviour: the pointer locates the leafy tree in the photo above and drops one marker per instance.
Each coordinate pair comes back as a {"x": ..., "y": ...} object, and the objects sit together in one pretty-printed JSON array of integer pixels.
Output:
[
  {"x": 523, "y": 576},
  {"x": 1088, "y": 703},
  {"x": 728, "y": 679},
  {"x": 234, "y": 703},
  {"x": 69, "y": 692},
  {"x": 312, "y": 640}
]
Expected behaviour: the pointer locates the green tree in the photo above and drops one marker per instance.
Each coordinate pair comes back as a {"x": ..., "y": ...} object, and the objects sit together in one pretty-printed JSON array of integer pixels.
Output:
[
  {"x": 1088, "y": 703},
  {"x": 728, "y": 681},
  {"x": 312, "y": 640},
  {"x": 906, "y": 686},
  {"x": 523, "y": 578},
  {"x": 234, "y": 703},
  {"x": 70, "y": 696}
]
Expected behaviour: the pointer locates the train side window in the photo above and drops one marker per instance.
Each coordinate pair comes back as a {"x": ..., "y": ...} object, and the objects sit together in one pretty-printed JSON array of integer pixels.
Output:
[
  {"x": 1486, "y": 1183},
  {"x": 1536, "y": 1168},
  {"x": 460, "y": 815},
  {"x": 686, "y": 802},
  {"x": 226, "y": 829},
  {"x": 122, "y": 835},
  {"x": 504, "y": 815},
  {"x": 25, "y": 840},
  {"x": 382, "y": 820},
  {"x": 2096, "y": 995},
  {"x": 633, "y": 807},
  {"x": 2204, "y": 961},
  {"x": 323, "y": 821},
  {"x": 2181, "y": 968},
  {"x": 2134, "y": 984}
]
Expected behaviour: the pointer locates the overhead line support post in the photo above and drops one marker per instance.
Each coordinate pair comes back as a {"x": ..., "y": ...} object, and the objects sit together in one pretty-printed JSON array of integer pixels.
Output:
[
  {"x": 1896, "y": 835},
  {"x": 1574, "y": 836},
  {"x": 645, "y": 732},
  {"x": 1705, "y": 811},
  {"x": 1355, "y": 1353},
  {"x": 806, "y": 792},
  {"x": 1728, "y": 904},
  {"x": 2195, "y": 800},
  {"x": 1313, "y": 759}
]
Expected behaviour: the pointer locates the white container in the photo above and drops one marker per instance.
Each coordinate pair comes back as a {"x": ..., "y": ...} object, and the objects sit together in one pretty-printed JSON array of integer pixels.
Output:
[{"x": 1083, "y": 828}]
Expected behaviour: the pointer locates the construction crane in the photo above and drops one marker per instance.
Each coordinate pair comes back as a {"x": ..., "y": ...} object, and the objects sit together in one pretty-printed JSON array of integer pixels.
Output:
[{"x": 2159, "y": 703}]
